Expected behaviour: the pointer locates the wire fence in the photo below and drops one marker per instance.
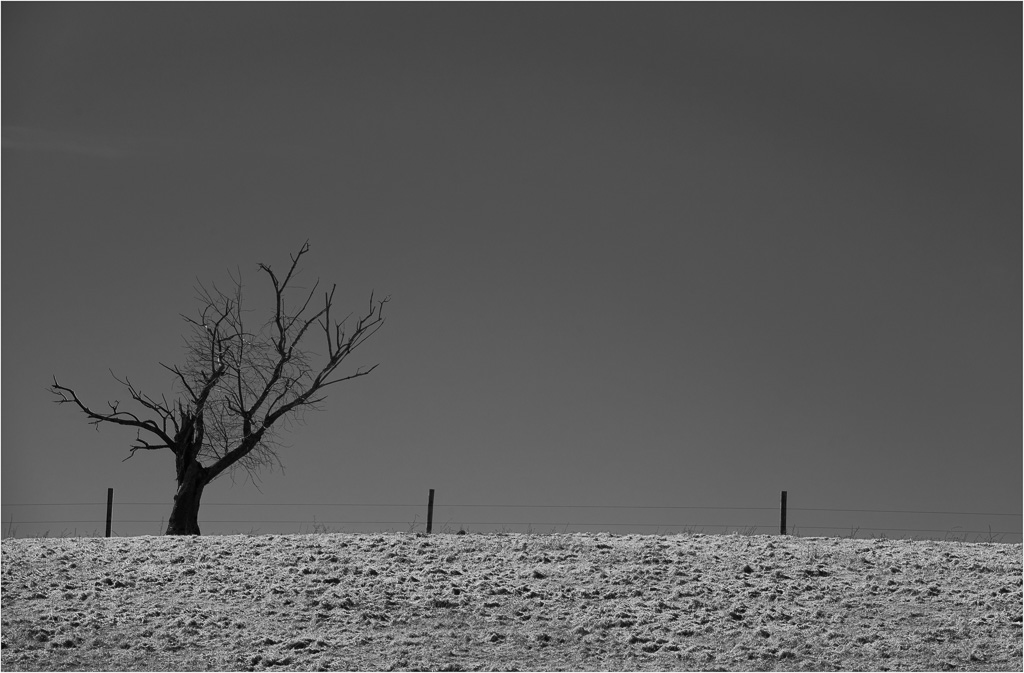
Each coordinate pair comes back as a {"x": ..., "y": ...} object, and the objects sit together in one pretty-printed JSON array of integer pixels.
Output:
[{"x": 142, "y": 518}]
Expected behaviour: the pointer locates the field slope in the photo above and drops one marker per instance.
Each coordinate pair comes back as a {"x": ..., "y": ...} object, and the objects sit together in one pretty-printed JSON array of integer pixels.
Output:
[{"x": 509, "y": 602}]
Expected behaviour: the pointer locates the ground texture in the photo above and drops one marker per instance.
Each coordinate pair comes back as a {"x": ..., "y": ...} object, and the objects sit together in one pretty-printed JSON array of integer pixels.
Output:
[{"x": 509, "y": 602}]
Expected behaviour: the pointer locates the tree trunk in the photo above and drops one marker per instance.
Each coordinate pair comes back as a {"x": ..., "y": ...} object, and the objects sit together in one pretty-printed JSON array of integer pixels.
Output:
[{"x": 185, "y": 512}]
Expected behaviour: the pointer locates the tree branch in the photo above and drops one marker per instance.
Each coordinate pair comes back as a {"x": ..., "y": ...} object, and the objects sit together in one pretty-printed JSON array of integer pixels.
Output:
[
  {"x": 237, "y": 388},
  {"x": 66, "y": 395}
]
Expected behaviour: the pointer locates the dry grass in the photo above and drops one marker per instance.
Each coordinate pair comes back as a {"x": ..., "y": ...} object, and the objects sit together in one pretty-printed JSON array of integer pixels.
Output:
[{"x": 509, "y": 602}]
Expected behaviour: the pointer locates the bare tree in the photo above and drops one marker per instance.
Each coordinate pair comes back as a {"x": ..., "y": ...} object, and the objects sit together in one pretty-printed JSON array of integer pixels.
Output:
[{"x": 237, "y": 387}]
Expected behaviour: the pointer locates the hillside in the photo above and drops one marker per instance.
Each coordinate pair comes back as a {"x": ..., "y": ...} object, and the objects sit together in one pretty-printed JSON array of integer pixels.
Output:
[{"x": 509, "y": 602}]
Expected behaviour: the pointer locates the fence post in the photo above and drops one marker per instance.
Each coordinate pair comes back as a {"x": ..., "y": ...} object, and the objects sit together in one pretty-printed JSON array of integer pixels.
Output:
[
  {"x": 782, "y": 524},
  {"x": 110, "y": 507},
  {"x": 430, "y": 511}
]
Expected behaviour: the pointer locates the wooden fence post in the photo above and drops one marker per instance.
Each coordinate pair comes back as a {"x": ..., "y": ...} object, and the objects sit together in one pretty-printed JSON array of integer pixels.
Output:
[
  {"x": 782, "y": 524},
  {"x": 110, "y": 508},
  {"x": 430, "y": 511}
]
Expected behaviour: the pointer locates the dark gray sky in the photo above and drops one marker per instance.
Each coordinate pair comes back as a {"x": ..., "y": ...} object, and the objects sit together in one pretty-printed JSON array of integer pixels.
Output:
[{"x": 669, "y": 254}]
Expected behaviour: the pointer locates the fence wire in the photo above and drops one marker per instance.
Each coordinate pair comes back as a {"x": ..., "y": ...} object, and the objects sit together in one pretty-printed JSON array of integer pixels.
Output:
[
  {"x": 532, "y": 525},
  {"x": 493, "y": 506}
]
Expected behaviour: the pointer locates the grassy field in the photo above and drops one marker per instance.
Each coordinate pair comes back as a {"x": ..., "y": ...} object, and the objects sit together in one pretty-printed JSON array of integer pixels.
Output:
[{"x": 509, "y": 602}]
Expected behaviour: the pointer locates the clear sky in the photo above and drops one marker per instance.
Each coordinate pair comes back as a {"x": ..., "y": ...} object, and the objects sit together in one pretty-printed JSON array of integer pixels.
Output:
[{"x": 663, "y": 255}]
